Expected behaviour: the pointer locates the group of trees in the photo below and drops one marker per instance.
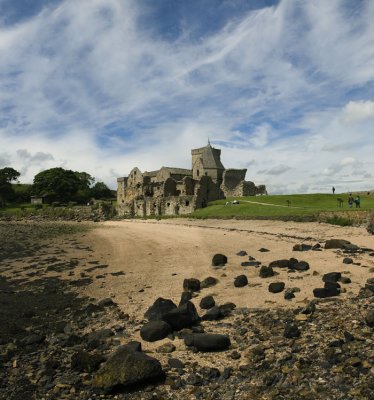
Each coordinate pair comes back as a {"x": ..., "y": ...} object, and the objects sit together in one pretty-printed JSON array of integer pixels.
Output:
[{"x": 55, "y": 185}]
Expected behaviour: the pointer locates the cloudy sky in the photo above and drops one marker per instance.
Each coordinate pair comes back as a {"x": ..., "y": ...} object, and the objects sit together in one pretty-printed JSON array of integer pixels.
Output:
[{"x": 285, "y": 88}]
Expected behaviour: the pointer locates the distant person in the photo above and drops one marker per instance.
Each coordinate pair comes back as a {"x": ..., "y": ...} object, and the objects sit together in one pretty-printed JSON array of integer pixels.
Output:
[
  {"x": 333, "y": 190},
  {"x": 350, "y": 200},
  {"x": 358, "y": 201}
]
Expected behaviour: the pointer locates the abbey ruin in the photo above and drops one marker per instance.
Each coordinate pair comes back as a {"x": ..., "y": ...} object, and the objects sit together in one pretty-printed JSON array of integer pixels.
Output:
[{"x": 174, "y": 191}]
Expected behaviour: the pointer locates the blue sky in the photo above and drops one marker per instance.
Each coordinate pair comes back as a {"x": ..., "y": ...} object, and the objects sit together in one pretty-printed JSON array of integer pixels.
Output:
[{"x": 285, "y": 88}]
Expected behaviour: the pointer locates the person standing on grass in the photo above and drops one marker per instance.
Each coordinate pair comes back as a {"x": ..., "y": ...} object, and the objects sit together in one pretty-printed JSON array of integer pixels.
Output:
[
  {"x": 358, "y": 201},
  {"x": 350, "y": 200},
  {"x": 333, "y": 190}
]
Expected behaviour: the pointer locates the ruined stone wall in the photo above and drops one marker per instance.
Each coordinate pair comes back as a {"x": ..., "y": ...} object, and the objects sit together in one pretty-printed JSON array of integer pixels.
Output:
[
  {"x": 170, "y": 188},
  {"x": 179, "y": 205}
]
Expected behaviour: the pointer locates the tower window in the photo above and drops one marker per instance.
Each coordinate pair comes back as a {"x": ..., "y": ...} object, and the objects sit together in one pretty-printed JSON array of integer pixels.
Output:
[{"x": 197, "y": 172}]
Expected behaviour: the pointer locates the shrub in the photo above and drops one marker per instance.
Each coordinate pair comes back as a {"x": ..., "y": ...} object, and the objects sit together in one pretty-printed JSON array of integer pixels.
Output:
[{"x": 341, "y": 221}]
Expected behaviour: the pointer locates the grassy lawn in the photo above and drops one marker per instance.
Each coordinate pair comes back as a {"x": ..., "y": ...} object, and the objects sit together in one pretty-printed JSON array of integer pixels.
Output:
[{"x": 304, "y": 206}]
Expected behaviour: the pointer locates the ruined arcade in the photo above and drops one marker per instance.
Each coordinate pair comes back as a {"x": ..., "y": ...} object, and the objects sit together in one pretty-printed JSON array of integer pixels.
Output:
[{"x": 175, "y": 191}]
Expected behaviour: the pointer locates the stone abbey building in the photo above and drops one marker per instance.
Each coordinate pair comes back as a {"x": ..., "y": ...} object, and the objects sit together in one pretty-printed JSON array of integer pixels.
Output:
[{"x": 173, "y": 191}]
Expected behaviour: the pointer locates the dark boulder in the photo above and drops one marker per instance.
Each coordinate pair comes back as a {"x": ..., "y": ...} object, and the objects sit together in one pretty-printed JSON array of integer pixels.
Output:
[
  {"x": 159, "y": 308},
  {"x": 299, "y": 266},
  {"x": 108, "y": 302},
  {"x": 263, "y": 250},
  {"x": 182, "y": 317},
  {"x": 250, "y": 263},
  {"x": 331, "y": 277},
  {"x": 155, "y": 330},
  {"x": 185, "y": 296},
  {"x": 207, "y": 302},
  {"x": 301, "y": 247},
  {"x": 208, "y": 282},
  {"x": 218, "y": 312},
  {"x": 208, "y": 341},
  {"x": 322, "y": 293},
  {"x": 192, "y": 285},
  {"x": 347, "y": 260},
  {"x": 340, "y": 244},
  {"x": 266, "y": 272},
  {"x": 219, "y": 260},
  {"x": 126, "y": 368},
  {"x": 291, "y": 331},
  {"x": 241, "y": 281},
  {"x": 242, "y": 253},
  {"x": 276, "y": 287},
  {"x": 279, "y": 264}
]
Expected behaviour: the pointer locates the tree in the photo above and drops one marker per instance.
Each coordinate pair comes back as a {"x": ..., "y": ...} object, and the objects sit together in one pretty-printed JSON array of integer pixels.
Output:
[
  {"x": 7, "y": 176},
  {"x": 57, "y": 184},
  {"x": 101, "y": 191}
]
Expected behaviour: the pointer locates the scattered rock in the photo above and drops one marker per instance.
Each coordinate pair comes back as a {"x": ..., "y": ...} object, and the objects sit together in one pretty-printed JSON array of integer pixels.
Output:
[
  {"x": 219, "y": 260},
  {"x": 155, "y": 330},
  {"x": 207, "y": 302},
  {"x": 370, "y": 318},
  {"x": 192, "y": 285},
  {"x": 108, "y": 302},
  {"x": 263, "y": 250},
  {"x": 291, "y": 331},
  {"x": 241, "y": 281},
  {"x": 299, "y": 266},
  {"x": 301, "y": 247},
  {"x": 125, "y": 368},
  {"x": 347, "y": 260},
  {"x": 331, "y": 277},
  {"x": 279, "y": 264},
  {"x": 208, "y": 341},
  {"x": 182, "y": 317},
  {"x": 276, "y": 287},
  {"x": 250, "y": 263},
  {"x": 175, "y": 363},
  {"x": 336, "y": 244},
  {"x": 159, "y": 308},
  {"x": 208, "y": 282},
  {"x": 166, "y": 348},
  {"x": 266, "y": 272},
  {"x": 345, "y": 280},
  {"x": 242, "y": 253},
  {"x": 83, "y": 361}
]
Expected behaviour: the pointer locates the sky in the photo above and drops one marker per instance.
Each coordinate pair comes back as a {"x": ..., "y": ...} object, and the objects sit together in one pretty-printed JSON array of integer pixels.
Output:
[{"x": 285, "y": 88}]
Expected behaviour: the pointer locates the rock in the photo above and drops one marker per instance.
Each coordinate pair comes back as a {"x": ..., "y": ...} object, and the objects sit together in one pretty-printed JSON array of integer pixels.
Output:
[
  {"x": 208, "y": 341},
  {"x": 370, "y": 281},
  {"x": 250, "y": 263},
  {"x": 213, "y": 314},
  {"x": 347, "y": 260},
  {"x": 331, "y": 277},
  {"x": 185, "y": 297},
  {"x": 127, "y": 368},
  {"x": 310, "y": 308},
  {"x": 192, "y": 285},
  {"x": 207, "y": 302},
  {"x": 326, "y": 292},
  {"x": 83, "y": 361},
  {"x": 341, "y": 244},
  {"x": 159, "y": 308},
  {"x": 175, "y": 363},
  {"x": 276, "y": 287},
  {"x": 108, "y": 302},
  {"x": 242, "y": 253},
  {"x": 299, "y": 266},
  {"x": 279, "y": 264},
  {"x": 94, "y": 338},
  {"x": 263, "y": 250},
  {"x": 208, "y": 282},
  {"x": 182, "y": 317},
  {"x": 301, "y": 247},
  {"x": 266, "y": 272},
  {"x": 155, "y": 330},
  {"x": 134, "y": 345},
  {"x": 291, "y": 331},
  {"x": 166, "y": 348},
  {"x": 33, "y": 339},
  {"x": 219, "y": 260},
  {"x": 289, "y": 294},
  {"x": 345, "y": 280},
  {"x": 370, "y": 318},
  {"x": 241, "y": 281}
]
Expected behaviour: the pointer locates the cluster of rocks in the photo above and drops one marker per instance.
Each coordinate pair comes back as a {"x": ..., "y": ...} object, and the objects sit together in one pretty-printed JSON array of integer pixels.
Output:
[{"x": 65, "y": 346}]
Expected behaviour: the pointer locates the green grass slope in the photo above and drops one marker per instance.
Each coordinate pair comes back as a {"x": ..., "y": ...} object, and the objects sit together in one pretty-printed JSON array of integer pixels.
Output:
[{"x": 296, "y": 206}]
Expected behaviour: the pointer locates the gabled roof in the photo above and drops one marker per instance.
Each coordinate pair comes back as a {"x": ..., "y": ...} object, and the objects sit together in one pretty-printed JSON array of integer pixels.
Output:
[{"x": 178, "y": 171}]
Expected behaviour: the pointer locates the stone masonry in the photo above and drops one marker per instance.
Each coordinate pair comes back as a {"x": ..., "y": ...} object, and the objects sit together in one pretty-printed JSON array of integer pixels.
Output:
[{"x": 175, "y": 191}]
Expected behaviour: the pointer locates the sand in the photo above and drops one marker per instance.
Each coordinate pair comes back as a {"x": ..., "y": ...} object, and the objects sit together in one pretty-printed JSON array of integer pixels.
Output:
[{"x": 156, "y": 256}]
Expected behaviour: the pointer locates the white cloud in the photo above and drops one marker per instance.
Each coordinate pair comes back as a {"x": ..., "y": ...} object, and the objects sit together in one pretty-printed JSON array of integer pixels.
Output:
[{"x": 85, "y": 86}]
